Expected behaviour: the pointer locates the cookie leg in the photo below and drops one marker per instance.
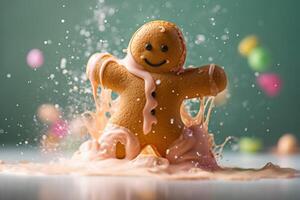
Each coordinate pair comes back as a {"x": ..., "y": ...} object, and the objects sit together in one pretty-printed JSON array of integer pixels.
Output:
[
  {"x": 118, "y": 142},
  {"x": 120, "y": 151},
  {"x": 194, "y": 149}
]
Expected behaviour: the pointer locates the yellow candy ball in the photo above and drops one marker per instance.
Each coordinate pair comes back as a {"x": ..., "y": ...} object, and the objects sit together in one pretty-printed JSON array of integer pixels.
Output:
[
  {"x": 247, "y": 45},
  {"x": 250, "y": 145}
]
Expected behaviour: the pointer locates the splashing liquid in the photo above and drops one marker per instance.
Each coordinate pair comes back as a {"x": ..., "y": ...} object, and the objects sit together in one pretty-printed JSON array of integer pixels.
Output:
[
  {"x": 195, "y": 146},
  {"x": 179, "y": 164},
  {"x": 192, "y": 156},
  {"x": 192, "y": 149},
  {"x": 105, "y": 106}
]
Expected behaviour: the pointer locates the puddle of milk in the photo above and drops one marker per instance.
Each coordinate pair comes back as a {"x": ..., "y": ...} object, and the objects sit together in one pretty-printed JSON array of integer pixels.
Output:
[{"x": 146, "y": 164}]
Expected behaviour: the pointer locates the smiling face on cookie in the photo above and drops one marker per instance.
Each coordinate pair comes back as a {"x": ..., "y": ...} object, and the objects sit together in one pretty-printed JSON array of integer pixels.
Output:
[{"x": 158, "y": 46}]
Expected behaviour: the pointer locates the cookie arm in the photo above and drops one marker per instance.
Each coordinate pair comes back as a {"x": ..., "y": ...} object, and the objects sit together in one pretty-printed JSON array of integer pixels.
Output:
[
  {"x": 207, "y": 80},
  {"x": 103, "y": 69}
]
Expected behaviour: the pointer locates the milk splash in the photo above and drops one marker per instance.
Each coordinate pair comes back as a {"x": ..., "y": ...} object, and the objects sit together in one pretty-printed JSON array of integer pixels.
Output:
[
  {"x": 147, "y": 163},
  {"x": 198, "y": 163},
  {"x": 105, "y": 107},
  {"x": 195, "y": 146}
]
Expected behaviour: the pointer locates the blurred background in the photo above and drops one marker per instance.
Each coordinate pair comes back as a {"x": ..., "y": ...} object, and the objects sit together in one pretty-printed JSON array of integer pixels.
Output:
[{"x": 46, "y": 44}]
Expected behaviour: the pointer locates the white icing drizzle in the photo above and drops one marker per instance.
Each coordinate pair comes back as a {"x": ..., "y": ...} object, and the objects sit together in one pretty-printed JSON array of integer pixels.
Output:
[
  {"x": 211, "y": 69},
  {"x": 92, "y": 71},
  {"x": 214, "y": 88},
  {"x": 129, "y": 63},
  {"x": 112, "y": 135}
]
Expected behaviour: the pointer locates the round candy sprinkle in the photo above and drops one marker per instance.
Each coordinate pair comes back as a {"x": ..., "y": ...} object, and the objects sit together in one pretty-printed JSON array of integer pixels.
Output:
[
  {"x": 259, "y": 59},
  {"x": 48, "y": 113},
  {"x": 247, "y": 45},
  {"x": 270, "y": 83},
  {"x": 35, "y": 58},
  {"x": 287, "y": 144},
  {"x": 59, "y": 128},
  {"x": 250, "y": 145}
]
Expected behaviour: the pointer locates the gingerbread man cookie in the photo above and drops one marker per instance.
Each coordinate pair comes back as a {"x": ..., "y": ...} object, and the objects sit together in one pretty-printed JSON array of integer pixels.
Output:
[{"x": 152, "y": 85}]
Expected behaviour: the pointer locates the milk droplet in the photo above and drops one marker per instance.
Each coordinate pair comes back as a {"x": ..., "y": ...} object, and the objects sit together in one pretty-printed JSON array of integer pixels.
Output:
[
  {"x": 200, "y": 39},
  {"x": 63, "y": 63}
]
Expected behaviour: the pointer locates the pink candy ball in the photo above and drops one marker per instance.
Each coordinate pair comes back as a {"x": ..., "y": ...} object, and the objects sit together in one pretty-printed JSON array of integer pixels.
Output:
[
  {"x": 270, "y": 83},
  {"x": 59, "y": 128},
  {"x": 35, "y": 58}
]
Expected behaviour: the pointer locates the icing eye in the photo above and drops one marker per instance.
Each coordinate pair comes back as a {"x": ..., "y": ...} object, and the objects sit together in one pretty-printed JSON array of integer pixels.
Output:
[
  {"x": 164, "y": 48},
  {"x": 148, "y": 47}
]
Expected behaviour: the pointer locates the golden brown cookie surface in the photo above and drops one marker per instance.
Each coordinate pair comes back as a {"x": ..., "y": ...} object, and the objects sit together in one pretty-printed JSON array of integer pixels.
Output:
[
  {"x": 170, "y": 88},
  {"x": 158, "y": 46}
]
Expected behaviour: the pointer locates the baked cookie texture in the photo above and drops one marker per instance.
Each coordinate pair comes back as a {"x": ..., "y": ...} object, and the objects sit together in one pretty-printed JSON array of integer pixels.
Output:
[{"x": 157, "y": 49}]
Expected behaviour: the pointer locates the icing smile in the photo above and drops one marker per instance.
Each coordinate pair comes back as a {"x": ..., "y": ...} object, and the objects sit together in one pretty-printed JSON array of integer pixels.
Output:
[{"x": 154, "y": 64}]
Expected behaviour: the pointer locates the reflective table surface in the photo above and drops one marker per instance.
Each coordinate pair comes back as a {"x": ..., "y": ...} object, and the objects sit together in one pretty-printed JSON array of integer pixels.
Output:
[{"x": 80, "y": 187}]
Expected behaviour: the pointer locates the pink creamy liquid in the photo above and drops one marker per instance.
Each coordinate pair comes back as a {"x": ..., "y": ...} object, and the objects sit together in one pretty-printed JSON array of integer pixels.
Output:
[
  {"x": 90, "y": 159},
  {"x": 146, "y": 165}
]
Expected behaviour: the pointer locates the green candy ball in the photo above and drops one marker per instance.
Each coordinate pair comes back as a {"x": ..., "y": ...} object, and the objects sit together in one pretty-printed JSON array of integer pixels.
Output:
[
  {"x": 259, "y": 59},
  {"x": 250, "y": 145}
]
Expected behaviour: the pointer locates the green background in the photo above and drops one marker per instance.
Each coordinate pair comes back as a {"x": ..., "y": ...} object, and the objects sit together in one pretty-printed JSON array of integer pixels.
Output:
[{"x": 27, "y": 24}]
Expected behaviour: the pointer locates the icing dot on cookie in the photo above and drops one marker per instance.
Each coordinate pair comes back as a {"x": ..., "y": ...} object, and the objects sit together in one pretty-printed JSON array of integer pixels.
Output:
[
  {"x": 158, "y": 82},
  {"x": 173, "y": 91},
  {"x": 138, "y": 99},
  {"x": 167, "y": 151},
  {"x": 172, "y": 121},
  {"x": 162, "y": 29},
  {"x": 200, "y": 71}
]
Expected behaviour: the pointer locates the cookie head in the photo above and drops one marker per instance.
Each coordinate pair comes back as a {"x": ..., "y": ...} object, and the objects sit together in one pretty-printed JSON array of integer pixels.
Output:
[{"x": 158, "y": 47}]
